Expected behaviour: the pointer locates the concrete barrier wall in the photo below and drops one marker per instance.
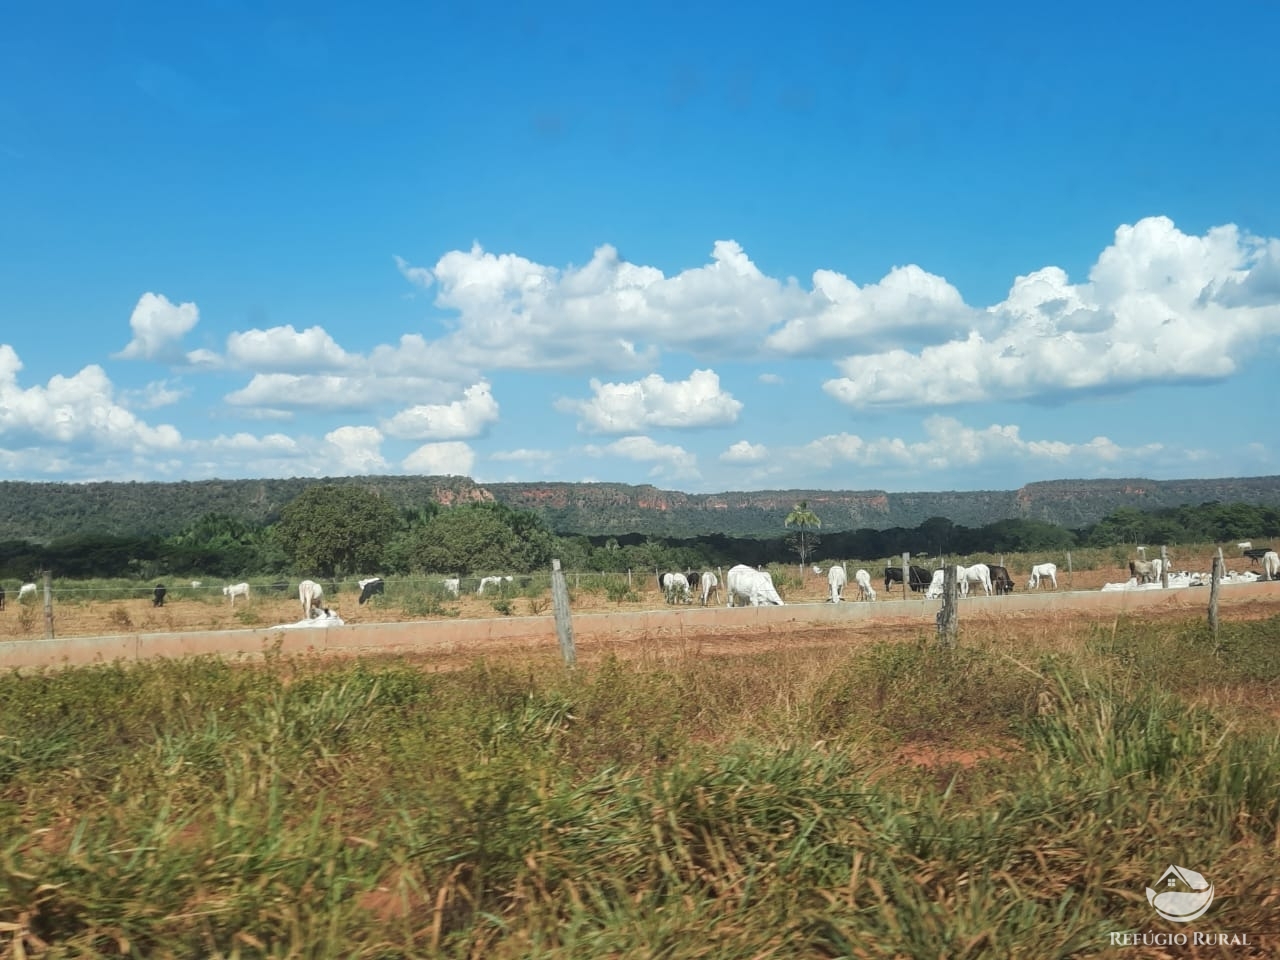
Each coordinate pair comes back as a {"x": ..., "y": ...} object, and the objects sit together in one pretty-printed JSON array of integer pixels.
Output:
[{"x": 454, "y": 636}]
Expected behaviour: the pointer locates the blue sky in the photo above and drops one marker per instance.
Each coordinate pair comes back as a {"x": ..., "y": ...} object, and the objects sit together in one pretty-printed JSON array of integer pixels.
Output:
[{"x": 708, "y": 246}]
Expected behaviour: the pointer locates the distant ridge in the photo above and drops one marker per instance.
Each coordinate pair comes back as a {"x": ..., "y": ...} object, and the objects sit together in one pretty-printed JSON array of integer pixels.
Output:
[{"x": 44, "y": 511}]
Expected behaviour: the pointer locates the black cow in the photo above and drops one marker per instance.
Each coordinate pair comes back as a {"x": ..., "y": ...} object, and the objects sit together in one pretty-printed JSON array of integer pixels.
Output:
[
  {"x": 157, "y": 596},
  {"x": 373, "y": 587},
  {"x": 920, "y": 578},
  {"x": 1001, "y": 582},
  {"x": 1256, "y": 554}
]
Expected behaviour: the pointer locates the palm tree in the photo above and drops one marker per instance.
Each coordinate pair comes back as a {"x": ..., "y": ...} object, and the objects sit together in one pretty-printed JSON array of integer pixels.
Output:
[{"x": 805, "y": 521}]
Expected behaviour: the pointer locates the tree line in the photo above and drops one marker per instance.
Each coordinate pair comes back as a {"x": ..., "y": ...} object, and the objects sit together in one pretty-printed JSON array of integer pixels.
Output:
[{"x": 341, "y": 531}]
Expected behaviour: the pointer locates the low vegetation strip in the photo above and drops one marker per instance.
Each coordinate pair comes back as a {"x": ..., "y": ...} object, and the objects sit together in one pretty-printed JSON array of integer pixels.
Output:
[{"x": 1012, "y": 797}]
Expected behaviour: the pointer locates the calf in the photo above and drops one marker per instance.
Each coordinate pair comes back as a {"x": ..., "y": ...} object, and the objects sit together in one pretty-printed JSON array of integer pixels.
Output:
[
  {"x": 863, "y": 580},
  {"x": 157, "y": 596},
  {"x": 1144, "y": 571},
  {"x": 370, "y": 588}
]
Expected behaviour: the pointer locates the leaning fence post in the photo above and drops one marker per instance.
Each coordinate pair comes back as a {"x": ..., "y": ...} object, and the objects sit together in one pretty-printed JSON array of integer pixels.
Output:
[
  {"x": 48, "y": 606},
  {"x": 1164, "y": 567},
  {"x": 906, "y": 573},
  {"x": 948, "y": 615},
  {"x": 1215, "y": 577},
  {"x": 560, "y": 605}
]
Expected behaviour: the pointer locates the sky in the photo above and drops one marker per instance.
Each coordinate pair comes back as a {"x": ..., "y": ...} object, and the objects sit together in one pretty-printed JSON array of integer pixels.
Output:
[{"x": 712, "y": 246}]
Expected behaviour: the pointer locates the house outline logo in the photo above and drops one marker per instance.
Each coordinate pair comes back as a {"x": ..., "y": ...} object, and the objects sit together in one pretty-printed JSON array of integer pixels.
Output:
[{"x": 1181, "y": 895}]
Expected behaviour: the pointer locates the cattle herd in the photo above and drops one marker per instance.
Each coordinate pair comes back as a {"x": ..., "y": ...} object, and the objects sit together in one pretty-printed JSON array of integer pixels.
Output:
[{"x": 744, "y": 585}]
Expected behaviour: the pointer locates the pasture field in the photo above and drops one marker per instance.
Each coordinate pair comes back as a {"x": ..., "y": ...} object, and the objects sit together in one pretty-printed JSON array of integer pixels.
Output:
[
  {"x": 105, "y": 607},
  {"x": 838, "y": 794}
]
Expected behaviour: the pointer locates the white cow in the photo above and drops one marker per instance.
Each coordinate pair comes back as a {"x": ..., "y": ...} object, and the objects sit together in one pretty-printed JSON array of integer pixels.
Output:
[
  {"x": 492, "y": 582},
  {"x": 26, "y": 590},
  {"x": 236, "y": 590},
  {"x": 837, "y": 577},
  {"x": 1245, "y": 545},
  {"x": 863, "y": 580},
  {"x": 754, "y": 587},
  {"x": 1043, "y": 571},
  {"x": 978, "y": 573},
  {"x": 710, "y": 587},
  {"x": 936, "y": 584},
  {"x": 675, "y": 587},
  {"x": 817, "y": 570},
  {"x": 452, "y": 585},
  {"x": 311, "y": 594},
  {"x": 195, "y": 584},
  {"x": 1270, "y": 564}
]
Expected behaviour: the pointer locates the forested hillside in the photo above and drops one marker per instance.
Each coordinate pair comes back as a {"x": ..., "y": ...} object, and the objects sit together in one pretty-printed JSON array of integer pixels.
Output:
[{"x": 44, "y": 511}]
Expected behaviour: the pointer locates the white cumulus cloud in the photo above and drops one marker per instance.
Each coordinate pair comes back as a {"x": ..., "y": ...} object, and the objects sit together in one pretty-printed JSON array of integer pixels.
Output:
[
  {"x": 284, "y": 348},
  {"x": 745, "y": 452},
  {"x": 355, "y": 450},
  {"x": 654, "y": 402},
  {"x": 158, "y": 328},
  {"x": 669, "y": 460},
  {"x": 459, "y": 420},
  {"x": 1160, "y": 306},
  {"x": 450, "y": 458}
]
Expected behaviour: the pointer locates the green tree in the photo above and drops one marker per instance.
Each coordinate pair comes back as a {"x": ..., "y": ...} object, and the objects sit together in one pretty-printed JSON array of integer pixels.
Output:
[
  {"x": 482, "y": 537},
  {"x": 805, "y": 522},
  {"x": 332, "y": 530}
]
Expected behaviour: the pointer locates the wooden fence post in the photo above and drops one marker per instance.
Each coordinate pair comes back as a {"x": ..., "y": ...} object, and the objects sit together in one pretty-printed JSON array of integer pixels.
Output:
[
  {"x": 906, "y": 573},
  {"x": 1164, "y": 567},
  {"x": 48, "y": 606},
  {"x": 1071, "y": 579},
  {"x": 949, "y": 613},
  {"x": 564, "y": 623},
  {"x": 628, "y": 579},
  {"x": 1215, "y": 577}
]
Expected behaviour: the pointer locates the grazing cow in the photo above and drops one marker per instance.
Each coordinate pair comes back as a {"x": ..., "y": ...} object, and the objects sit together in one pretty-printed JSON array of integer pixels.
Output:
[
  {"x": 836, "y": 579},
  {"x": 1255, "y": 554},
  {"x": 311, "y": 594},
  {"x": 937, "y": 583},
  {"x": 710, "y": 584},
  {"x": 492, "y": 582},
  {"x": 754, "y": 587},
  {"x": 26, "y": 590},
  {"x": 863, "y": 580},
  {"x": 675, "y": 587},
  {"x": 978, "y": 573},
  {"x": 157, "y": 595},
  {"x": 452, "y": 585},
  {"x": 370, "y": 588},
  {"x": 1043, "y": 571},
  {"x": 1142, "y": 570},
  {"x": 919, "y": 577},
  {"x": 1271, "y": 565},
  {"x": 1001, "y": 582}
]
